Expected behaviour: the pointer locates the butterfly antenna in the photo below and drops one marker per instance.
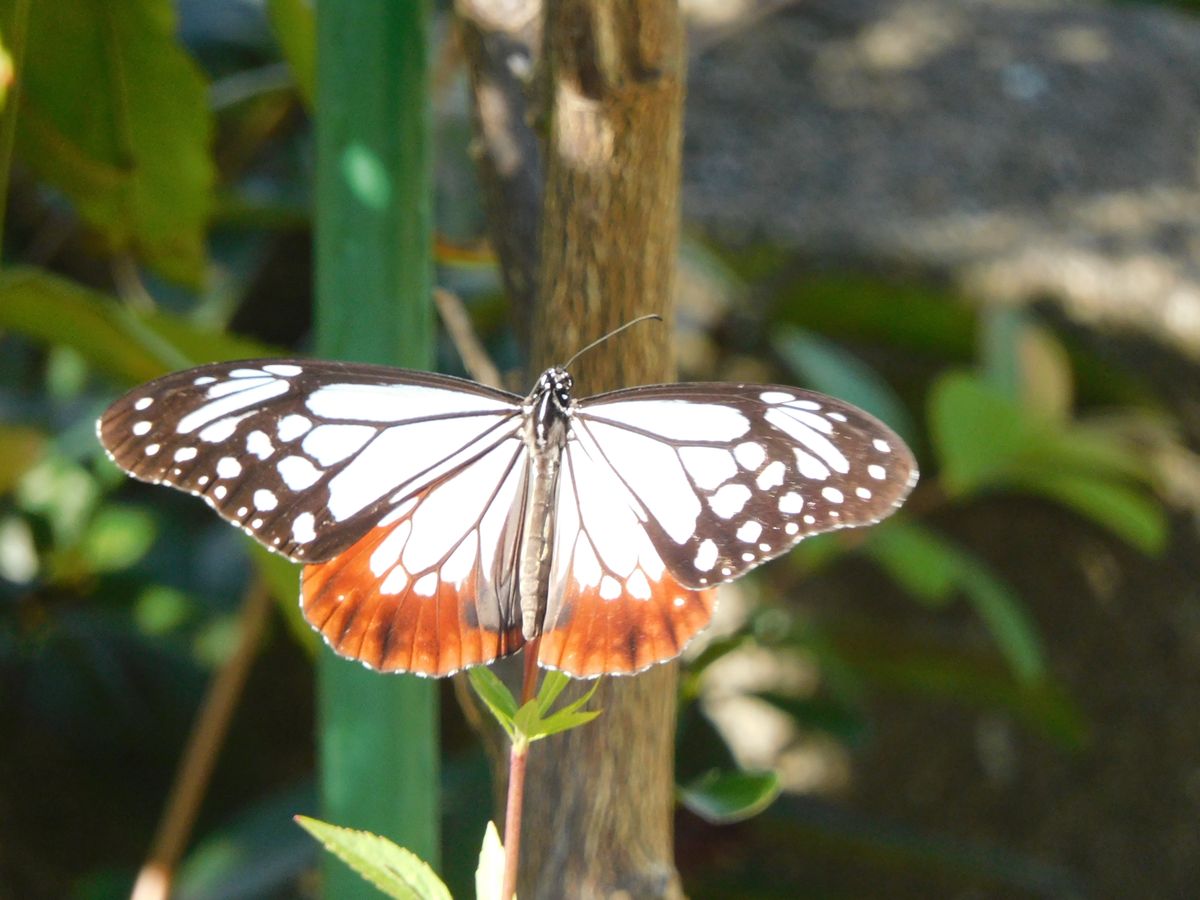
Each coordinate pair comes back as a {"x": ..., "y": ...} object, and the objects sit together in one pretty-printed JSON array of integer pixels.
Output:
[{"x": 613, "y": 333}]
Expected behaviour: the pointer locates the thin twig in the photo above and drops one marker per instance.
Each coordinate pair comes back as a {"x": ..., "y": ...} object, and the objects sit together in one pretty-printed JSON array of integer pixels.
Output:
[
  {"x": 470, "y": 348},
  {"x": 200, "y": 755}
]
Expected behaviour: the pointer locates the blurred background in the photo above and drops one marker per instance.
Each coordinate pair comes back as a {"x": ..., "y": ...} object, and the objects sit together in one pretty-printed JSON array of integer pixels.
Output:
[{"x": 979, "y": 219}]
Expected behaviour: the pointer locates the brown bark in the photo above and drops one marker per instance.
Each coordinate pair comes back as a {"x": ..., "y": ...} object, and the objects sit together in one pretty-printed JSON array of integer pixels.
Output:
[
  {"x": 609, "y": 82},
  {"x": 600, "y": 799}
]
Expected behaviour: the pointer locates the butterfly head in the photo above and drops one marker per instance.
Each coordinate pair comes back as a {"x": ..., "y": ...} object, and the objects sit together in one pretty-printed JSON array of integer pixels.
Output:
[{"x": 556, "y": 385}]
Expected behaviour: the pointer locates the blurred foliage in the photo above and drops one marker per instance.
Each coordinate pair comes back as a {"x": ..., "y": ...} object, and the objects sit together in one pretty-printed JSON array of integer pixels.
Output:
[{"x": 159, "y": 219}]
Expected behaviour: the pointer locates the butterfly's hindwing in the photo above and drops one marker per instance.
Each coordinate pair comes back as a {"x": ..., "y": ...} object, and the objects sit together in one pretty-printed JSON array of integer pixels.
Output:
[
  {"x": 612, "y": 607},
  {"x": 305, "y": 456},
  {"x": 725, "y": 477},
  {"x": 432, "y": 588}
]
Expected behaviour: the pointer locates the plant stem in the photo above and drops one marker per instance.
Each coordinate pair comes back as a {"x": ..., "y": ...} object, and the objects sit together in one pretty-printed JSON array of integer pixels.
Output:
[
  {"x": 517, "y": 758},
  {"x": 518, "y": 755}
]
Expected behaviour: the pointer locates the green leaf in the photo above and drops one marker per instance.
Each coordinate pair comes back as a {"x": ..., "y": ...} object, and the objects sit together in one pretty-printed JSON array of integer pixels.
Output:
[
  {"x": 725, "y": 797},
  {"x": 394, "y": 870},
  {"x": 552, "y": 685},
  {"x": 1126, "y": 512},
  {"x": 978, "y": 432},
  {"x": 489, "y": 875},
  {"x": 117, "y": 537},
  {"x": 532, "y": 725},
  {"x": 1005, "y": 616},
  {"x": 131, "y": 346},
  {"x": 917, "y": 560},
  {"x": 827, "y": 367},
  {"x": 932, "y": 568},
  {"x": 495, "y": 695},
  {"x": 295, "y": 25},
  {"x": 132, "y": 151}
]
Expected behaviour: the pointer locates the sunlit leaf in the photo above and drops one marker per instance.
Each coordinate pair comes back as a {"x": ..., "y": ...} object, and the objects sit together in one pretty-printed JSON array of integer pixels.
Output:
[
  {"x": 978, "y": 432},
  {"x": 295, "y": 27},
  {"x": 160, "y": 609},
  {"x": 132, "y": 152},
  {"x": 61, "y": 492},
  {"x": 489, "y": 875},
  {"x": 826, "y": 367},
  {"x": 20, "y": 450},
  {"x": 724, "y": 797},
  {"x": 131, "y": 346},
  {"x": 397, "y": 872},
  {"x": 117, "y": 537},
  {"x": 495, "y": 695}
]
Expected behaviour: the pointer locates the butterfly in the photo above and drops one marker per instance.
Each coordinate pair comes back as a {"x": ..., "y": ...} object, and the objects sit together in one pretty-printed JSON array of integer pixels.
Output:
[{"x": 443, "y": 524}]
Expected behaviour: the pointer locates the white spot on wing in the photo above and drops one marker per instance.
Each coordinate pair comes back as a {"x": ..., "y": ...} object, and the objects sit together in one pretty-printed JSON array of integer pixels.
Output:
[
  {"x": 810, "y": 466},
  {"x": 882, "y": 446},
  {"x": 877, "y": 472},
  {"x": 791, "y": 502},
  {"x": 706, "y": 556},
  {"x": 152, "y": 449},
  {"x": 183, "y": 454},
  {"x": 302, "y": 528},
  {"x": 637, "y": 586},
  {"x": 863, "y": 493},
  {"x": 143, "y": 403},
  {"x": 426, "y": 585},
  {"x": 729, "y": 500},
  {"x": 265, "y": 500},
  {"x": 396, "y": 581},
  {"x": 204, "y": 379},
  {"x": 259, "y": 444},
  {"x": 297, "y": 472},
  {"x": 209, "y": 412},
  {"x": 141, "y": 428},
  {"x": 219, "y": 431},
  {"x": 750, "y": 455},
  {"x": 832, "y": 494},
  {"x": 284, "y": 369},
  {"x": 749, "y": 531},
  {"x": 292, "y": 426},
  {"x": 771, "y": 476},
  {"x": 775, "y": 397},
  {"x": 610, "y": 588},
  {"x": 228, "y": 467},
  {"x": 791, "y": 528}
]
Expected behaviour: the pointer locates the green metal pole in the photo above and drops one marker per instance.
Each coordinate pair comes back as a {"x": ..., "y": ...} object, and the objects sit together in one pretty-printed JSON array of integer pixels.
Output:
[{"x": 378, "y": 733}]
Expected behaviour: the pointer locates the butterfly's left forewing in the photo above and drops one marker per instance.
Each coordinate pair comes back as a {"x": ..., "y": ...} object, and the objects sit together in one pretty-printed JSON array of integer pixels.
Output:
[{"x": 305, "y": 456}]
